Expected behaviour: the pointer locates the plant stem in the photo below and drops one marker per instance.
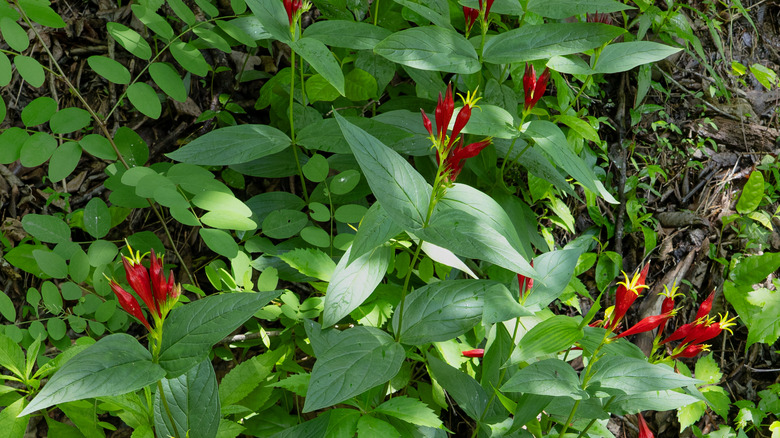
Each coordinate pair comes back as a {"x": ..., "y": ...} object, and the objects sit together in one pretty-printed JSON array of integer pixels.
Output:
[
  {"x": 292, "y": 128},
  {"x": 376, "y": 11},
  {"x": 405, "y": 290},
  {"x": 167, "y": 408}
]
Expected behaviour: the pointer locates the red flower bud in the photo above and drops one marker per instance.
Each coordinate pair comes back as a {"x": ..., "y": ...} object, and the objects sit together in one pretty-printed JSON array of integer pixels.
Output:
[
  {"x": 129, "y": 303},
  {"x": 460, "y": 122},
  {"x": 427, "y": 123},
  {"x": 525, "y": 283},
  {"x": 444, "y": 110},
  {"x": 644, "y": 431},
  {"x": 534, "y": 88},
  {"x": 691, "y": 351},
  {"x": 706, "y": 306},
  {"x": 460, "y": 154},
  {"x": 470, "y": 15},
  {"x": 479, "y": 352},
  {"x": 138, "y": 278}
]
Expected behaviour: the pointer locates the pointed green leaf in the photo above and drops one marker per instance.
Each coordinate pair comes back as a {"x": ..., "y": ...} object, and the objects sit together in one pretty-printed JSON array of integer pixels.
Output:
[
  {"x": 620, "y": 57},
  {"x": 45, "y": 228},
  {"x": 560, "y": 9},
  {"x": 131, "y": 40},
  {"x": 552, "y": 377},
  {"x": 144, "y": 99},
  {"x": 322, "y": 60},
  {"x": 193, "y": 402},
  {"x": 232, "y": 145},
  {"x": 347, "y": 34},
  {"x": 628, "y": 375},
  {"x": 430, "y": 48},
  {"x": 410, "y": 410},
  {"x": 112, "y": 70}
]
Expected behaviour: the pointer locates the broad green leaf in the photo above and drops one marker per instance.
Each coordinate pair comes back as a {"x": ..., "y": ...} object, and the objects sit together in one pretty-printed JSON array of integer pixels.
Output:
[
  {"x": 212, "y": 39},
  {"x": 552, "y": 377},
  {"x": 754, "y": 269},
  {"x": 543, "y": 41},
  {"x": 375, "y": 427},
  {"x": 441, "y": 311},
  {"x": 620, "y": 57},
  {"x": 37, "y": 149},
  {"x": 22, "y": 258},
  {"x": 97, "y": 218},
  {"x": 409, "y": 410},
  {"x": 401, "y": 190},
  {"x": 353, "y": 282},
  {"x": 752, "y": 193},
  {"x": 7, "y": 308},
  {"x": 560, "y": 9},
  {"x": 218, "y": 201},
  {"x": 548, "y": 337},
  {"x": 555, "y": 269},
  {"x": 430, "y": 48},
  {"x": 11, "y": 355},
  {"x": 283, "y": 224},
  {"x": 167, "y": 78},
  {"x": 490, "y": 121},
  {"x": 69, "y": 120},
  {"x": 272, "y": 18},
  {"x": 687, "y": 415},
  {"x": 429, "y": 14},
  {"x": 14, "y": 35},
  {"x": 376, "y": 228},
  {"x": 360, "y": 85},
  {"x": 6, "y": 71},
  {"x": 582, "y": 127},
  {"x": 150, "y": 19},
  {"x": 30, "y": 70},
  {"x": 112, "y": 70},
  {"x": 764, "y": 326},
  {"x": 114, "y": 365},
  {"x": 316, "y": 169},
  {"x": 322, "y": 60},
  {"x": 500, "y": 305},
  {"x": 627, "y": 375},
  {"x": 236, "y": 33},
  {"x": 224, "y": 220},
  {"x": 51, "y": 297},
  {"x": 310, "y": 262},
  {"x": 650, "y": 401},
  {"x": 190, "y": 58},
  {"x": 347, "y": 34},
  {"x": 358, "y": 359},
  {"x": 570, "y": 64},
  {"x": 550, "y": 138},
  {"x": 319, "y": 89},
  {"x": 265, "y": 203},
  {"x": 219, "y": 241},
  {"x": 144, "y": 99},
  {"x": 41, "y": 13},
  {"x": 193, "y": 402},
  {"x": 14, "y": 425},
  {"x": 46, "y": 228},
  {"x": 344, "y": 182},
  {"x": 132, "y": 146},
  {"x": 98, "y": 146},
  {"x": 246, "y": 376},
  {"x": 232, "y": 145},
  {"x": 51, "y": 263},
  {"x": 182, "y": 11},
  {"x": 191, "y": 330},
  {"x": 131, "y": 40},
  {"x": 12, "y": 140},
  {"x": 466, "y": 391}
]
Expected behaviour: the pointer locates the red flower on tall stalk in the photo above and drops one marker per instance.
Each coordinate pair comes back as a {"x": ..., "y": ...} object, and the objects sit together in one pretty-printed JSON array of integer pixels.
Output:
[
  {"x": 158, "y": 293},
  {"x": 470, "y": 15},
  {"x": 644, "y": 430},
  {"x": 525, "y": 283},
  {"x": 534, "y": 87},
  {"x": 647, "y": 324},
  {"x": 487, "y": 9},
  {"x": 627, "y": 292},
  {"x": 292, "y": 7}
]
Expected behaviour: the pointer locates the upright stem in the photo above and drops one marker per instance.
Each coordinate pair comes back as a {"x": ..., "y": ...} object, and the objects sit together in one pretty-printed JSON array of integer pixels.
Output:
[
  {"x": 167, "y": 408},
  {"x": 376, "y": 11},
  {"x": 292, "y": 127},
  {"x": 405, "y": 290}
]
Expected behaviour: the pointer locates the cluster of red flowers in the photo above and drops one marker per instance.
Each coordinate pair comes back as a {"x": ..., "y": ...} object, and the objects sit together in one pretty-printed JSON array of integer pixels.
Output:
[
  {"x": 158, "y": 293},
  {"x": 471, "y": 14},
  {"x": 454, "y": 152},
  {"x": 292, "y": 7}
]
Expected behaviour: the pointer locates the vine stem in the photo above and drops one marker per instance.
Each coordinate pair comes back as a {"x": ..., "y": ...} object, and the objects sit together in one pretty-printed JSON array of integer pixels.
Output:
[{"x": 110, "y": 139}]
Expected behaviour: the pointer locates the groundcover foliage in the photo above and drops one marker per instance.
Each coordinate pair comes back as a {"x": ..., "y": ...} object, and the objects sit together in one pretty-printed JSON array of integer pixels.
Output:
[{"x": 404, "y": 271}]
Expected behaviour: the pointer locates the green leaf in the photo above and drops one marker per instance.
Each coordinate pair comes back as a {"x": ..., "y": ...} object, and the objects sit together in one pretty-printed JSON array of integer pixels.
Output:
[
  {"x": 6, "y": 71},
  {"x": 607, "y": 268},
  {"x": 427, "y": 13},
  {"x": 358, "y": 359},
  {"x": 401, "y": 190},
  {"x": 555, "y": 269},
  {"x": 752, "y": 193},
  {"x": 410, "y": 410},
  {"x": 41, "y": 13},
  {"x": 190, "y": 58},
  {"x": 627, "y": 375},
  {"x": 560, "y": 9},
  {"x": 232, "y": 145},
  {"x": 191, "y": 330},
  {"x": 167, "y": 78},
  {"x": 51, "y": 263},
  {"x": 353, "y": 282},
  {"x": 318, "y": 89},
  {"x": 500, "y": 305},
  {"x": 131, "y": 40},
  {"x": 344, "y": 182},
  {"x": 132, "y": 146},
  {"x": 45, "y": 228},
  {"x": 112, "y": 70},
  {"x": 764, "y": 326},
  {"x": 441, "y": 311},
  {"x": 219, "y": 241},
  {"x": 68, "y": 120},
  {"x": 7, "y": 308},
  {"x": 491, "y": 121},
  {"x": 98, "y": 146},
  {"x": 193, "y": 402},
  {"x": 360, "y": 85},
  {"x": 310, "y": 262},
  {"x": 549, "y": 336},
  {"x": 550, "y": 138},
  {"x": 14, "y": 35},
  {"x": 211, "y": 39},
  {"x": 466, "y": 391},
  {"x": 543, "y": 41},
  {"x": 754, "y": 269},
  {"x": 218, "y": 201},
  {"x": 150, "y": 19},
  {"x": 11, "y": 355},
  {"x": 322, "y": 60},
  {"x": 316, "y": 169},
  {"x": 101, "y": 252},
  {"x": 114, "y": 365},
  {"x": 374, "y": 427},
  {"x": 12, "y": 140},
  {"x": 650, "y": 401},
  {"x": 244, "y": 378},
  {"x": 14, "y": 425},
  {"x": 30, "y": 70},
  {"x": 347, "y": 34},
  {"x": 430, "y": 48},
  {"x": 272, "y": 18},
  {"x": 182, "y": 11},
  {"x": 552, "y": 377},
  {"x": 97, "y": 218},
  {"x": 37, "y": 149},
  {"x": 144, "y": 99},
  {"x": 51, "y": 297},
  {"x": 687, "y": 415},
  {"x": 620, "y": 57}
]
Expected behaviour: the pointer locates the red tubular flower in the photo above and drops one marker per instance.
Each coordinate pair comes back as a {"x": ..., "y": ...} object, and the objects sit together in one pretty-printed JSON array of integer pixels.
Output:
[
  {"x": 691, "y": 351},
  {"x": 534, "y": 88},
  {"x": 706, "y": 306},
  {"x": 470, "y": 14},
  {"x": 684, "y": 331},
  {"x": 525, "y": 283},
  {"x": 138, "y": 279},
  {"x": 459, "y": 154},
  {"x": 479, "y": 352},
  {"x": 163, "y": 288},
  {"x": 444, "y": 110},
  {"x": 710, "y": 330},
  {"x": 647, "y": 324},
  {"x": 644, "y": 430},
  {"x": 487, "y": 9},
  {"x": 627, "y": 293},
  {"x": 129, "y": 303},
  {"x": 427, "y": 122}
]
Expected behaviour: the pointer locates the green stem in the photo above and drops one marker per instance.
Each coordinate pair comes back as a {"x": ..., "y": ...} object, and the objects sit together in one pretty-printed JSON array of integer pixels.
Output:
[
  {"x": 376, "y": 11},
  {"x": 167, "y": 408},
  {"x": 593, "y": 421},
  {"x": 406, "y": 289},
  {"x": 292, "y": 128}
]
